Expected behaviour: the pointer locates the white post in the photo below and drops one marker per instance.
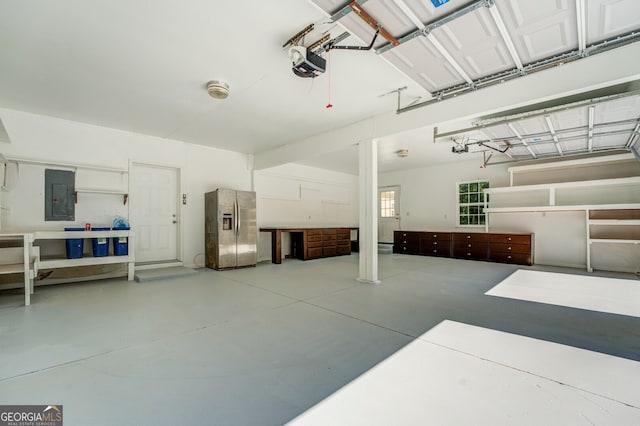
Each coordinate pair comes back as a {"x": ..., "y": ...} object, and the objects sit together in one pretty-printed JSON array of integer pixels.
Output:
[{"x": 368, "y": 189}]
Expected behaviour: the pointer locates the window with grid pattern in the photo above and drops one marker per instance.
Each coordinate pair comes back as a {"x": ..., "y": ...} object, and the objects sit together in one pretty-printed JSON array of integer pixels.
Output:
[
  {"x": 470, "y": 198},
  {"x": 387, "y": 204}
]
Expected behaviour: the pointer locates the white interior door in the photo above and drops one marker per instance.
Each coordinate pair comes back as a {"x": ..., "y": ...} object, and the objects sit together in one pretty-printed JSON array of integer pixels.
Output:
[
  {"x": 388, "y": 212},
  {"x": 154, "y": 212}
]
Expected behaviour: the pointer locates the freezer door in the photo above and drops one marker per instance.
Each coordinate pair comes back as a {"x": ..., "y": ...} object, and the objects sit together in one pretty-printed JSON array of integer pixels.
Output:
[
  {"x": 226, "y": 218},
  {"x": 247, "y": 232}
]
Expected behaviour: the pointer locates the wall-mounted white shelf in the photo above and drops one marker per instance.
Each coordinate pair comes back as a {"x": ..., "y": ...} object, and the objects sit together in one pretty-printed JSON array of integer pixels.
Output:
[
  {"x": 124, "y": 194},
  {"x": 37, "y": 162},
  {"x": 551, "y": 188},
  {"x": 614, "y": 223},
  {"x": 620, "y": 226}
]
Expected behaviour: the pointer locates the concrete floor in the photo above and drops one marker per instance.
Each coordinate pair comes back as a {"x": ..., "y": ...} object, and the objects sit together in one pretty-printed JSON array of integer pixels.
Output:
[{"x": 258, "y": 345}]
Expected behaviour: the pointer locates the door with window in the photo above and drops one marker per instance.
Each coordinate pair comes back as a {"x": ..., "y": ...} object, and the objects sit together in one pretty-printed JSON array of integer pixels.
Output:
[{"x": 388, "y": 213}]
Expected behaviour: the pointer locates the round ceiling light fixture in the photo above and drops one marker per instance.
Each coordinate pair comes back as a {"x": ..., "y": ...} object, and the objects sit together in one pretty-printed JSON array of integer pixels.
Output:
[
  {"x": 402, "y": 153},
  {"x": 218, "y": 89}
]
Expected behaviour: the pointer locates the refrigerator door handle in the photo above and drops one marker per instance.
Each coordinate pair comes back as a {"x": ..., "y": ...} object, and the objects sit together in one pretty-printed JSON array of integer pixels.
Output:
[{"x": 237, "y": 217}]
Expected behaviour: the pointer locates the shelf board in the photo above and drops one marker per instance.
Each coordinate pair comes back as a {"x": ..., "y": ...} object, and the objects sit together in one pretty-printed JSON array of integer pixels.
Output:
[
  {"x": 561, "y": 208},
  {"x": 12, "y": 268},
  {"x": 613, "y": 240},
  {"x": 84, "y": 261},
  {"x": 627, "y": 222},
  {"x": 100, "y": 191},
  {"x": 55, "y": 235},
  {"x": 577, "y": 184}
]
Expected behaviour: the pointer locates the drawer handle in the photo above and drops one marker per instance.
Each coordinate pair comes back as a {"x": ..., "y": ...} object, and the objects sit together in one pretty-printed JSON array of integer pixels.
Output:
[
  {"x": 468, "y": 254},
  {"x": 435, "y": 236},
  {"x": 468, "y": 236},
  {"x": 509, "y": 257},
  {"x": 468, "y": 245},
  {"x": 509, "y": 248},
  {"x": 435, "y": 251},
  {"x": 404, "y": 235},
  {"x": 509, "y": 238},
  {"x": 404, "y": 248},
  {"x": 435, "y": 243}
]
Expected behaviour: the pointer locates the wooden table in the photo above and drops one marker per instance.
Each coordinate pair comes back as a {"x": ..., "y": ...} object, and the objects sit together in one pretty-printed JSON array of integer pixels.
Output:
[{"x": 307, "y": 234}]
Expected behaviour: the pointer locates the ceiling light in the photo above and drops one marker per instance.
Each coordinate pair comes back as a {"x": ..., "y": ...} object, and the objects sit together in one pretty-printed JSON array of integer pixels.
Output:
[
  {"x": 218, "y": 89},
  {"x": 402, "y": 153}
]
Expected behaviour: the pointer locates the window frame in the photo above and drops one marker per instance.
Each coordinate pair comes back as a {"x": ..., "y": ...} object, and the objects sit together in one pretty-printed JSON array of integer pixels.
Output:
[{"x": 476, "y": 206}]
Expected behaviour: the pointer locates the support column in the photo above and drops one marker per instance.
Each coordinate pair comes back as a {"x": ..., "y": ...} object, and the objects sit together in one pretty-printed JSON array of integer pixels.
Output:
[{"x": 368, "y": 191}]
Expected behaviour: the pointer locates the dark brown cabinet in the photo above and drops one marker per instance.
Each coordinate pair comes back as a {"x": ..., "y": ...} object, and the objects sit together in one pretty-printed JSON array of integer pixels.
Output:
[
  {"x": 503, "y": 248},
  {"x": 470, "y": 245},
  {"x": 435, "y": 244},
  {"x": 511, "y": 248},
  {"x": 406, "y": 242}
]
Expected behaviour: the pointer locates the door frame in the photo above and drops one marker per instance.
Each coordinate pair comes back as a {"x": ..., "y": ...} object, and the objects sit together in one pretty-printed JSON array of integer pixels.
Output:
[
  {"x": 398, "y": 207},
  {"x": 178, "y": 205}
]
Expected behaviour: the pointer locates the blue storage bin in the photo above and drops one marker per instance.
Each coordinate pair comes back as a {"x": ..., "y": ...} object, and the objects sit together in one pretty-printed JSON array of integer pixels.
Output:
[
  {"x": 100, "y": 245},
  {"x": 121, "y": 244},
  {"x": 75, "y": 246}
]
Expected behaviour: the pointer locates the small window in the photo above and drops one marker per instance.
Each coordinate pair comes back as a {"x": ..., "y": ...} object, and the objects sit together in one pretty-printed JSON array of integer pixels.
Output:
[
  {"x": 470, "y": 203},
  {"x": 387, "y": 204}
]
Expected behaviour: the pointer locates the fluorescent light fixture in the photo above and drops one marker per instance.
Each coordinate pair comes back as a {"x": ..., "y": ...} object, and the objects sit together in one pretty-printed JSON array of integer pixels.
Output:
[
  {"x": 526, "y": 145},
  {"x": 581, "y": 20},
  {"x": 449, "y": 58},
  {"x": 592, "y": 111},
  {"x": 497, "y": 18},
  {"x": 547, "y": 118}
]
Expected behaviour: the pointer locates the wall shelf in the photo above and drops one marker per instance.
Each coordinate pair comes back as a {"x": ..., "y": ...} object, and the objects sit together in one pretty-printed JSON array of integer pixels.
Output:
[
  {"x": 612, "y": 223},
  {"x": 124, "y": 194}
]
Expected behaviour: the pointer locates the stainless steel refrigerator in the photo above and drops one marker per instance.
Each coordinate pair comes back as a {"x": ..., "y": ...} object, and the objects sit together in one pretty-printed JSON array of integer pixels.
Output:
[{"x": 230, "y": 229}]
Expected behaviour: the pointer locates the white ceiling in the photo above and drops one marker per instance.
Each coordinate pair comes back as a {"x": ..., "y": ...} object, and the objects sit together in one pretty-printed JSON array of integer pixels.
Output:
[{"x": 143, "y": 66}]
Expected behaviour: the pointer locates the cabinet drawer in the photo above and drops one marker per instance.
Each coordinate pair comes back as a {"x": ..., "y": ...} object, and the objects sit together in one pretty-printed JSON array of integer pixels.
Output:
[
  {"x": 406, "y": 249},
  {"x": 510, "y": 248},
  {"x": 517, "y": 258},
  {"x": 478, "y": 252},
  {"x": 437, "y": 236},
  {"x": 311, "y": 232},
  {"x": 314, "y": 237},
  {"x": 471, "y": 236},
  {"x": 428, "y": 244},
  {"x": 331, "y": 238},
  {"x": 314, "y": 244},
  {"x": 343, "y": 249},
  {"x": 329, "y": 251},
  {"x": 437, "y": 251},
  {"x": 343, "y": 234},
  {"x": 511, "y": 238},
  {"x": 406, "y": 239},
  {"x": 313, "y": 252},
  {"x": 329, "y": 231}
]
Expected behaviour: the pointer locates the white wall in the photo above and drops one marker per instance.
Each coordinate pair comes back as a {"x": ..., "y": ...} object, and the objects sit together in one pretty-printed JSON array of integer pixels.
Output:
[
  {"x": 428, "y": 195},
  {"x": 46, "y": 138},
  {"x": 297, "y": 195},
  {"x": 428, "y": 203}
]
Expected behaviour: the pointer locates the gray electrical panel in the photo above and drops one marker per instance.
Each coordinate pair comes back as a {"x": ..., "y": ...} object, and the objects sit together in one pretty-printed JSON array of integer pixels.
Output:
[{"x": 59, "y": 195}]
